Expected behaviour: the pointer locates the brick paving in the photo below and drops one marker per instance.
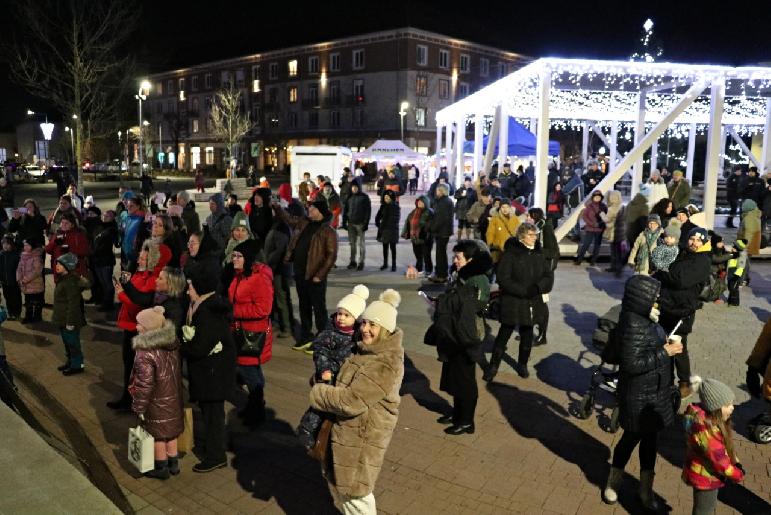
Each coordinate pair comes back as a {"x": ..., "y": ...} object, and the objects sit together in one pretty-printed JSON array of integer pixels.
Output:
[{"x": 528, "y": 455}]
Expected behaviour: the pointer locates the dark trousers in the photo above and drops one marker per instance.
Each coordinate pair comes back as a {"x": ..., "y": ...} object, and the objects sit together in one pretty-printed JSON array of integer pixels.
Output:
[
  {"x": 391, "y": 246},
  {"x": 33, "y": 306},
  {"x": 12, "y": 294},
  {"x": 682, "y": 360},
  {"x": 213, "y": 414},
  {"x": 128, "y": 362},
  {"x": 103, "y": 276},
  {"x": 626, "y": 445},
  {"x": 459, "y": 380},
  {"x": 312, "y": 298},
  {"x": 422, "y": 253},
  {"x": 72, "y": 348},
  {"x": 281, "y": 301},
  {"x": 616, "y": 256},
  {"x": 539, "y": 329},
  {"x": 587, "y": 238},
  {"x": 734, "y": 203},
  {"x": 413, "y": 185},
  {"x": 525, "y": 341},
  {"x": 442, "y": 268},
  {"x": 734, "y": 281}
]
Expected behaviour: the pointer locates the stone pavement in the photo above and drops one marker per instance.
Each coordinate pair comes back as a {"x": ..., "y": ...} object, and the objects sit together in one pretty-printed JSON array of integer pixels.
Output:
[{"x": 529, "y": 453}]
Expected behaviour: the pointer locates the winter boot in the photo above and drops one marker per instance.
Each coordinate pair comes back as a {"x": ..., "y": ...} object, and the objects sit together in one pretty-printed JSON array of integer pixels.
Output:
[
  {"x": 173, "y": 465},
  {"x": 255, "y": 409},
  {"x": 495, "y": 362},
  {"x": 730, "y": 222},
  {"x": 647, "y": 497},
  {"x": 610, "y": 494},
  {"x": 27, "y": 315},
  {"x": 161, "y": 470},
  {"x": 37, "y": 313}
]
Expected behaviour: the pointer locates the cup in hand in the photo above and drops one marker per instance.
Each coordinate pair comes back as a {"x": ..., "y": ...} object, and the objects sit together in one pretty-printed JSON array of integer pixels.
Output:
[{"x": 676, "y": 344}]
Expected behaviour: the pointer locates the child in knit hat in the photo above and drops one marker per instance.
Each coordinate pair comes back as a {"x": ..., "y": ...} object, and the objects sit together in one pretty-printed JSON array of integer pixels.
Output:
[
  {"x": 710, "y": 458},
  {"x": 736, "y": 270},
  {"x": 330, "y": 349},
  {"x": 68, "y": 314},
  {"x": 664, "y": 255},
  {"x": 644, "y": 245}
]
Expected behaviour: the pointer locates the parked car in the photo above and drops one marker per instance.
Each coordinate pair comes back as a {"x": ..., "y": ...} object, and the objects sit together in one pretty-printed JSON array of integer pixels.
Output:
[{"x": 35, "y": 173}]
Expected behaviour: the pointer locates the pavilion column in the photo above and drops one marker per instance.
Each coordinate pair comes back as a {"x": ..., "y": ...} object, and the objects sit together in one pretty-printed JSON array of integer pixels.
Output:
[
  {"x": 765, "y": 154},
  {"x": 654, "y": 155},
  {"x": 438, "y": 150},
  {"x": 613, "y": 144},
  {"x": 448, "y": 148},
  {"x": 639, "y": 134},
  {"x": 542, "y": 141},
  {"x": 585, "y": 144},
  {"x": 503, "y": 138},
  {"x": 460, "y": 138},
  {"x": 691, "y": 151},
  {"x": 715, "y": 144},
  {"x": 479, "y": 121},
  {"x": 491, "y": 137},
  {"x": 723, "y": 136}
]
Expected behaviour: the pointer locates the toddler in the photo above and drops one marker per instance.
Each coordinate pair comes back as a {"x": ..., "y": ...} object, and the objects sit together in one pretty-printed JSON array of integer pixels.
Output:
[
  {"x": 737, "y": 270},
  {"x": 664, "y": 255},
  {"x": 9, "y": 261},
  {"x": 68, "y": 315},
  {"x": 331, "y": 348},
  {"x": 710, "y": 459},
  {"x": 29, "y": 275}
]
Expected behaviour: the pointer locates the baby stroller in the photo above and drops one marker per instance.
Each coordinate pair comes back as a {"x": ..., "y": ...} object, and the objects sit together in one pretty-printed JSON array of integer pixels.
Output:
[
  {"x": 605, "y": 376},
  {"x": 759, "y": 428}
]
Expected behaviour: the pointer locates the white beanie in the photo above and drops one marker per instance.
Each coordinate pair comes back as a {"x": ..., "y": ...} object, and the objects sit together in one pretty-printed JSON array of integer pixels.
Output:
[
  {"x": 355, "y": 302},
  {"x": 383, "y": 312}
]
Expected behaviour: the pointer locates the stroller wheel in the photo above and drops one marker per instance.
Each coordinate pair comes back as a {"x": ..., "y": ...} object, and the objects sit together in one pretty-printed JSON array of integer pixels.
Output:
[
  {"x": 613, "y": 426},
  {"x": 762, "y": 433},
  {"x": 585, "y": 407}
]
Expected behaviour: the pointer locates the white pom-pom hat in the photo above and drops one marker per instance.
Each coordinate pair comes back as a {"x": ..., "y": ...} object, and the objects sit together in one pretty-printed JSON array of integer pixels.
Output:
[
  {"x": 383, "y": 311},
  {"x": 355, "y": 302}
]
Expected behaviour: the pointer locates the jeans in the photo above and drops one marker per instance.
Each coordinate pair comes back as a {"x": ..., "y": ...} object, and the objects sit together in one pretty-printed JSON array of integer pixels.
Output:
[
  {"x": 704, "y": 501},
  {"x": 423, "y": 256},
  {"x": 72, "y": 348},
  {"x": 626, "y": 445},
  {"x": 252, "y": 376},
  {"x": 282, "y": 301},
  {"x": 214, "y": 432},
  {"x": 587, "y": 238},
  {"x": 356, "y": 239},
  {"x": 525, "y": 341},
  {"x": 104, "y": 276},
  {"x": 442, "y": 267},
  {"x": 312, "y": 298}
]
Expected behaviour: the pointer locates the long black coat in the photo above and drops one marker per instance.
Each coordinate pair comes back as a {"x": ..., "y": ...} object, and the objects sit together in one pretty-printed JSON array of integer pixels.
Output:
[
  {"x": 212, "y": 376},
  {"x": 681, "y": 287},
  {"x": 645, "y": 383},
  {"x": 359, "y": 209},
  {"x": 442, "y": 223},
  {"x": 524, "y": 275},
  {"x": 387, "y": 221}
]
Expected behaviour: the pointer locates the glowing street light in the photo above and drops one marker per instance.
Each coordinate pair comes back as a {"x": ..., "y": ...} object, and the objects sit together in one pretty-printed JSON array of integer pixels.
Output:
[
  {"x": 403, "y": 111},
  {"x": 72, "y": 142},
  {"x": 144, "y": 90}
]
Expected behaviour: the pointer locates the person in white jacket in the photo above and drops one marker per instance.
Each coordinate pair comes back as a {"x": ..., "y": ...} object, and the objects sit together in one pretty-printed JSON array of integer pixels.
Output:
[{"x": 657, "y": 188}]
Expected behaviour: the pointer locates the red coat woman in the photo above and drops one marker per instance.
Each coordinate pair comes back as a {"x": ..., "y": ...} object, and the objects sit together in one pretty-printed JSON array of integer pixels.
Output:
[{"x": 69, "y": 238}]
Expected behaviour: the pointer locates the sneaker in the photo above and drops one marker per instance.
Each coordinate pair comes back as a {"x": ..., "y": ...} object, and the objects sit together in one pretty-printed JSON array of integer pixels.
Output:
[
  {"x": 360, "y": 267},
  {"x": 309, "y": 352},
  {"x": 73, "y": 371},
  {"x": 206, "y": 466},
  {"x": 351, "y": 265},
  {"x": 302, "y": 346},
  {"x": 62, "y": 368}
]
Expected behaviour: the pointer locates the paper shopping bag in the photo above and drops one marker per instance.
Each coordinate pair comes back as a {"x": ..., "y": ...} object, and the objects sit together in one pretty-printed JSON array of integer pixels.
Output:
[
  {"x": 185, "y": 440},
  {"x": 141, "y": 452}
]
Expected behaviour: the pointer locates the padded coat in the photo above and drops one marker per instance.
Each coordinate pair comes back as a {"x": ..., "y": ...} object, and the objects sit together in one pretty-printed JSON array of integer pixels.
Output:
[{"x": 524, "y": 275}]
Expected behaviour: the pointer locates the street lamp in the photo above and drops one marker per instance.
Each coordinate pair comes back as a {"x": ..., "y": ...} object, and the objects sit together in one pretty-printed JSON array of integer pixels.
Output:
[
  {"x": 72, "y": 143},
  {"x": 144, "y": 90},
  {"x": 46, "y": 128},
  {"x": 403, "y": 111}
]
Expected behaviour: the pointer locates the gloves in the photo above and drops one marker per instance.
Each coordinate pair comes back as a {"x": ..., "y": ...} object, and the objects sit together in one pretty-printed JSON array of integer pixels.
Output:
[
  {"x": 69, "y": 327},
  {"x": 216, "y": 349},
  {"x": 188, "y": 332},
  {"x": 141, "y": 416},
  {"x": 532, "y": 290}
]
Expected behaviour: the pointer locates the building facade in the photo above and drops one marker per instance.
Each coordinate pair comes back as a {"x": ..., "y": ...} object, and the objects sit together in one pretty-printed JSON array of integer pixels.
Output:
[{"x": 347, "y": 92}]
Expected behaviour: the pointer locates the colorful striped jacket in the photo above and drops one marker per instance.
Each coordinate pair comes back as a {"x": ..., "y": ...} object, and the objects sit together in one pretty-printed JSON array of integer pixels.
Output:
[{"x": 707, "y": 464}]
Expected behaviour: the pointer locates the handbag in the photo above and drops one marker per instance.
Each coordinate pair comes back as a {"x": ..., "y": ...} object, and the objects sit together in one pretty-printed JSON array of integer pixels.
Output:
[
  {"x": 141, "y": 452},
  {"x": 185, "y": 439},
  {"x": 249, "y": 343},
  {"x": 320, "y": 448}
]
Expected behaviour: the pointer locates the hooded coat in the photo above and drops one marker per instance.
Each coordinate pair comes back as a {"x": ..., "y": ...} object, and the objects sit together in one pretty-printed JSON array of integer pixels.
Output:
[
  {"x": 424, "y": 223},
  {"x": 219, "y": 222},
  {"x": 524, "y": 275},
  {"x": 499, "y": 231},
  {"x": 750, "y": 228},
  {"x": 387, "y": 220},
  {"x": 636, "y": 217},
  {"x": 29, "y": 273},
  {"x": 365, "y": 401},
  {"x": 190, "y": 218},
  {"x": 260, "y": 218},
  {"x": 67, "y": 299},
  {"x": 156, "y": 382},
  {"x": 645, "y": 380}
]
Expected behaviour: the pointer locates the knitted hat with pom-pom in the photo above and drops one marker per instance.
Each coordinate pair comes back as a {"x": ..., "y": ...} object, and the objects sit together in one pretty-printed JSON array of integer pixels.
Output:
[
  {"x": 714, "y": 394},
  {"x": 355, "y": 302},
  {"x": 383, "y": 311}
]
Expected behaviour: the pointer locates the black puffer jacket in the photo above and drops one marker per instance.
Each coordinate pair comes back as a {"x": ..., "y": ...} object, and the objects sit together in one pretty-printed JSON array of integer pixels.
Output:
[
  {"x": 260, "y": 218},
  {"x": 645, "y": 384},
  {"x": 359, "y": 209},
  {"x": 442, "y": 223},
  {"x": 387, "y": 220},
  {"x": 682, "y": 285},
  {"x": 524, "y": 275}
]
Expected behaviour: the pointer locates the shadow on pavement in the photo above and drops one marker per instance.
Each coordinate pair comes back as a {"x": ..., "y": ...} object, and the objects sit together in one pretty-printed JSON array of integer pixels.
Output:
[
  {"x": 761, "y": 314},
  {"x": 582, "y": 323},
  {"x": 607, "y": 282},
  {"x": 416, "y": 384}
]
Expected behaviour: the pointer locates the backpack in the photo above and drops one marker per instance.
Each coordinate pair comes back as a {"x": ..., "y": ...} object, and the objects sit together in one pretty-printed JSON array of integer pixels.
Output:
[{"x": 455, "y": 318}]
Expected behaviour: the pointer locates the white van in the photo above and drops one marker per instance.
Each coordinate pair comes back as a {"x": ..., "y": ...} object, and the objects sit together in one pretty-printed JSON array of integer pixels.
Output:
[{"x": 319, "y": 160}]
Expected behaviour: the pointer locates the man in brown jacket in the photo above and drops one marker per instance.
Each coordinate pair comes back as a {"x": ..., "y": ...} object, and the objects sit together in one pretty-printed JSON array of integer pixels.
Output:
[{"x": 313, "y": 252}]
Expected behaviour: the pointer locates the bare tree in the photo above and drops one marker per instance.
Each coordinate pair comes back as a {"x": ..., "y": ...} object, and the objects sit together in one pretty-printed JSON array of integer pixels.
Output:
[
  {"x": 73, "y": 53},
  {"x": 230, "y": 123}
]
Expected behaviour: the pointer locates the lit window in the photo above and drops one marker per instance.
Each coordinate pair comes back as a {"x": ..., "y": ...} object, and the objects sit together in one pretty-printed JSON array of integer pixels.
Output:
[
  {"x": 465, "y": 63},
  {"x": 484, "y": 67},
  {"x": 292, "y": 67},
  {"x": 209, "y": 155},
  {"x": 444, "y": 88},
  {"x": 444, "y": 59},
  {"x": 313, "y": 64},
  {"x": 421, "y": 86},
  {"x": 293, "y": 94},
  {"x": 422, "y": 55},
  {"x": 195, "y": 125},
  {"x": 181, "y": 95},
  {"x": 273, "y": 71},
  {"x": 358, "y": 59},
  {"x": 334, "y": 62},
  {"x": 207, "y": 81},
  {"x": 420, "y": 117}
]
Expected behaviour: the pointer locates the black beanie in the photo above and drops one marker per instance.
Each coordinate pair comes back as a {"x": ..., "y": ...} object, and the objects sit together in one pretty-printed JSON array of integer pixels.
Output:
[
  {"x": 203, "y": 280},
  {"x": 322, "y": 206},
  {"x": 249, "y": 250}
]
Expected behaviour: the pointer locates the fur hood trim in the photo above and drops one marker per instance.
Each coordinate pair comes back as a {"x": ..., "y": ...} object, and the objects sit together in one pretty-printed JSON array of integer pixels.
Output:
[{"x": 164, "y": 338}]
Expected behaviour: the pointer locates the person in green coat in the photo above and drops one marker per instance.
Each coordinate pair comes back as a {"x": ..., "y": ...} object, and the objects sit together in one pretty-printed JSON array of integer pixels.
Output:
[
  {"x": 679, "y": 190},
  {"x": 68, "y": 311},
  {"x": 636, "y": 217}
]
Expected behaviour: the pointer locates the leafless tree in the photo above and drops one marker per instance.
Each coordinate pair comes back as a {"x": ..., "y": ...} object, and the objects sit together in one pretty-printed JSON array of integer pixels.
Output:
[
  {"x": 74, "y": 53},
  {"x": 230, "y": 122}
]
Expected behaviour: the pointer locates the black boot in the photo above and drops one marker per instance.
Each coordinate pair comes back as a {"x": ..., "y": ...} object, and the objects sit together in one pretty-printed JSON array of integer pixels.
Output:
[
  {"x": 37, "y": 313},
  {"x": 173, "y": 465},
  {"x": 161, "y": 470},
  {"x": 730, "y": 222},
  {"x": 27, "y": 315},
  {"x": 255, "y": 409},
  {"x": 522, "y": 359},
  {"x": 495, "y": 362}
]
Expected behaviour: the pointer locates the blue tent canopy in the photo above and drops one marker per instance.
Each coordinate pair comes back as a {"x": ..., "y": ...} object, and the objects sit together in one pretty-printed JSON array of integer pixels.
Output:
[{"x": 521, "y": 142}]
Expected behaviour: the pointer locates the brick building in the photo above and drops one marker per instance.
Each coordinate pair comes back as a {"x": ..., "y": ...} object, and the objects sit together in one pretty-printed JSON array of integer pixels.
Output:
[{"x": 343, "y": 92}]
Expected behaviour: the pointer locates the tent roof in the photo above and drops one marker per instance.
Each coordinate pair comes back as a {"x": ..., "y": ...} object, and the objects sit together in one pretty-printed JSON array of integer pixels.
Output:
[
  {"x": 521, "y": 142},
  {"x": 389, "y": 149},
  {"x": 609, "y": 90}
]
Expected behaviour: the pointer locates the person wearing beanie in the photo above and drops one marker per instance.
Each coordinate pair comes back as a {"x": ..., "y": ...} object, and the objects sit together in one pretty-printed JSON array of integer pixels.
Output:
[
  {"x": 592, "y": 214},
  {"x": 250, "y": 291},
  {"x": 644, "y": 245},
  {"x": 344, "y": 187},
  {"x": 231, "y": 203},
  {"x": 312, "y": 250},
  {"x": 239, "y": 232},
  {"x": 710, "y": 458},
  {"x": 754, "y": 186},
  {"x": 330, "y": 349},
  {"x": 155, "y": 387},
  {"x": 68, "y": 311},
  {"x": 365, "y": 399},
  {"x": 683, "y": 218},
  {"x": 679, "y": 190},
  {"x": 189, "y": 214},
  {"x": 257, "y": 208},
  {"x": 218, "y": 223},
  {"x": 664, "y": 255},
  {"x": 356, "y": 216},
  {"x": 29, "y": 275},
  {"x": 736, "y": 270},
  {"x": 750, "y": 227}
]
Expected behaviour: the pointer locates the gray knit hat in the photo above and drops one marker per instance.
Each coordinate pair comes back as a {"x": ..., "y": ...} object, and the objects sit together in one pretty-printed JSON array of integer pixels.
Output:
[
  {"x": 68, "y": 261},
  {"x": 654, "y": 218},
  {"x": 714, "y": 394},
  {"x": 672, "y": 230}
]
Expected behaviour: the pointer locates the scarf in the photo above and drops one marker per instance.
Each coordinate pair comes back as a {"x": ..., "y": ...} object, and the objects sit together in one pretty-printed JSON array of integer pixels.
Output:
[
  {"x": 650, "y": 238},
  {"x": 342, "y": 329},
  {"x": 415, "y": 223},
  {"x": 194, "y": 306}
]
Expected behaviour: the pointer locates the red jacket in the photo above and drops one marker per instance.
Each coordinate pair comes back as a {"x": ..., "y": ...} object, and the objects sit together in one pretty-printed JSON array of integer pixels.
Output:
[
  {"x": 252, "y": 299},
  {"x": 143, "y": 282},
  {"x": 74, "y": 241}
]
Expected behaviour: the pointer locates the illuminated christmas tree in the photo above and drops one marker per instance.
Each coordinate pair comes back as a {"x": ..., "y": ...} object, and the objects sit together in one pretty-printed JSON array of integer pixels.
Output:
[{"x": 649, "y": 47}]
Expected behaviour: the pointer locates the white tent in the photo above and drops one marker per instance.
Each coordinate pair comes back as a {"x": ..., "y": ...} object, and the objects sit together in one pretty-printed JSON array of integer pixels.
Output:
[{"x": 390, "y": 150}]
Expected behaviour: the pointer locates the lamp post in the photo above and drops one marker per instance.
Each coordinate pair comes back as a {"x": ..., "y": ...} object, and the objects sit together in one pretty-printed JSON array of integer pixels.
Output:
[
  {"x": 403, "y": 111},
  {"x": 72, "y": 142},
  {"x": 46, "y": 128},
  {"x": 144, "y": 89}
]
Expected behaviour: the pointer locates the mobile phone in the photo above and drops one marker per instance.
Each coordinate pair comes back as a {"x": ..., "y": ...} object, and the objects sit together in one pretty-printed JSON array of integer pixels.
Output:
[{"x": 22, "y": 210}]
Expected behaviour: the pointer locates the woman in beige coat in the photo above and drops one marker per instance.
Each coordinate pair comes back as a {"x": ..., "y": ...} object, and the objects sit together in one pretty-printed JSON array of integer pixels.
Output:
[{"x": 365, "y": 401}]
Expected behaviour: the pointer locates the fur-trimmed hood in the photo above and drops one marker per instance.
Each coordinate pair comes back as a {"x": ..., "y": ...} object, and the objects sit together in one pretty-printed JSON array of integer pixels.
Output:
[
  {"x": 480, "y": 264},
  {"x": 164, "y": 338}
]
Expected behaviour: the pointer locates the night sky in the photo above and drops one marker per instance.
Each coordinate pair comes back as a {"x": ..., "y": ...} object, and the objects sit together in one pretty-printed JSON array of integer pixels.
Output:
[{"x": 175, "y": 33}]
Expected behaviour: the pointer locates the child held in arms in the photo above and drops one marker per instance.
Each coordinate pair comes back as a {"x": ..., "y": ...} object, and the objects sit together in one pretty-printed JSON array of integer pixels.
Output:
[{"x": 664, "y": 255}]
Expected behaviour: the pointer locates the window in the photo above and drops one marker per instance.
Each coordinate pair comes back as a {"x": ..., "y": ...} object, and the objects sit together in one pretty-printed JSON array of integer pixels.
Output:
[
  {"x": 444, "y": 88},
  {"x": 465, "y": 63},
  {"x": 334, "y": 62},
  {"x": 484, "y": 67},
  {"x": 292, "y": 67},
  {"x": 159, "y": 88},
  {"x": 292, "y": 120},
  {"x": 159, "y": 108},
  {"x": 256, "y": 72},
  {"x": 182, "y": 84},
  {"x": 421, "y": 55},
  {"x": 170, "y": 107},
  {"x": 169, "y": 87},
  {"x": 240, "y": 78},
  {"x": 207, "y": 102},
  {"x": 358, "y": 118},
  {"x": 313, "y": 64},
  {"x": 293, "y": 94},
  {"x": 207, "y": 81},
  {"x": 421, "y": 86},
  {"x": 358, "y": 59},
  {"x": 313, "y": 119},
  {"x": 273, "y": 71},
  {"x": 313, "y": 93},
  {"x": 501, "y": 70},
  {"x": 194, "y": 125},
  {"x": 256, "y": 115},
  {"x": 209, "y": 125},
  {"x": 3, "y": 154},
  {"x": 358, "y": 90},
  {"x": 273, "y": 96},
  {"x": 334, "y": 91},
  {"x": 225, "y": 79},
  {"x": 420, "y": 117},
  {"x": 194, "y": 82},
  {"x": 462, "y": 90},
  {"x": 194, "y": 105},
  {"x": 334, "y": 118},
  {"x": 209, "y": 155},
  {"x": 256, "y": 86},
  {"x": 444, "y": 59}
]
